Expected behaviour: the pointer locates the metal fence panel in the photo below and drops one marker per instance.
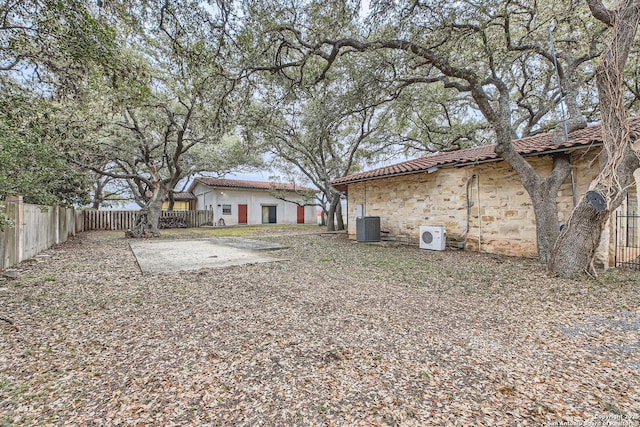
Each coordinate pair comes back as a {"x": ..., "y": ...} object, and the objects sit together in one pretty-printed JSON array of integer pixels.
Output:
[{"x": 627, "y": 241}]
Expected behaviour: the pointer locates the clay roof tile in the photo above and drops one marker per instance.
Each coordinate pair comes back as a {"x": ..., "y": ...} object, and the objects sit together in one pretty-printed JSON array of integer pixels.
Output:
[
  {"x": 250, "y": 185},
  {"x": 541, "y": 143}
]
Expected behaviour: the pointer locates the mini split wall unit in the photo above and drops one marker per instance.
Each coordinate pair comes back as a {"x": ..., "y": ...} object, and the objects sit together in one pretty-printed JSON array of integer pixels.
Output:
[{"x": 433, "y": 238}]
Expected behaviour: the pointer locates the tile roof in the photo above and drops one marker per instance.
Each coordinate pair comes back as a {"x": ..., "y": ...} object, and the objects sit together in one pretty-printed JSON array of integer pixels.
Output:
[
  {"x": 183, "y": 197},
  {"x": 249, "y": 185},
  {"x": 527, "y": 146},
  {"x": 177, "y": 196}
]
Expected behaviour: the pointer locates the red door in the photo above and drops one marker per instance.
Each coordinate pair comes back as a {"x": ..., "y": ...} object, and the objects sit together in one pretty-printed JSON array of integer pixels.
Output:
[
  {"x": 242, "y": 214},
  {"x": 300, "y": 214}
]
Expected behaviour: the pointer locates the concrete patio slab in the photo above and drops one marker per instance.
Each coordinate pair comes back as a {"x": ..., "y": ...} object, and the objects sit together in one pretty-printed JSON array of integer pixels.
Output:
[{"x": 162, "y": 256}]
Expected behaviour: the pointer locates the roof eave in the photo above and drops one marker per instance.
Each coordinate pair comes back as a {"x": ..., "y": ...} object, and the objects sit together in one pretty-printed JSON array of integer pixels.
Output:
[
  {"x": 464, "y": 164},
  {"x": 373, "y": 178},
  {"x": 238, "y": 187}
]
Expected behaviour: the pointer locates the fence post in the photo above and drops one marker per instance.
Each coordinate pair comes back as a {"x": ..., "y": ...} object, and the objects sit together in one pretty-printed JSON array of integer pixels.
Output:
[
  {"x": 71, "y": 216},
  {"x": 56, "y": 222},
  {"x": 18, "y": 219}
]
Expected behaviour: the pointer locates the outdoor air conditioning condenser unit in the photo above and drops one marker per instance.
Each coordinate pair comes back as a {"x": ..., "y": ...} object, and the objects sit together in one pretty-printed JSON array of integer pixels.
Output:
[{"x": 433, "y": 238}]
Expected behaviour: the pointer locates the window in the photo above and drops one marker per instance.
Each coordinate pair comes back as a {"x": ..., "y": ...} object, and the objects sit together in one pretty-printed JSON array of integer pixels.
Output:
[{"x": 226, "y": 209}]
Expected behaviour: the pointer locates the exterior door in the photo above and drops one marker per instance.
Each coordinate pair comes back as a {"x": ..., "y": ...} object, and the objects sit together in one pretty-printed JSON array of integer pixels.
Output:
[
  {"x": 269, "y": 215},
  {"x": 300, "y": 214},
  {"x": 242, "y": 214}
]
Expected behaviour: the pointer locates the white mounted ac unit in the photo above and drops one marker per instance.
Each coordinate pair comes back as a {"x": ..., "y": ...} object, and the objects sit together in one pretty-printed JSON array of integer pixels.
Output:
[{"x": 433, "y": 238}]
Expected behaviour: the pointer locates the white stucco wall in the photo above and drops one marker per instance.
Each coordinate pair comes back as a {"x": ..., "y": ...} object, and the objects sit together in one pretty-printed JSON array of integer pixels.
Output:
[{"x": 214, "y": 198}]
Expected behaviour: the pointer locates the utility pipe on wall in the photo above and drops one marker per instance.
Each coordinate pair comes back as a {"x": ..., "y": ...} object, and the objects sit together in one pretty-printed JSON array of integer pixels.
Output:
[
  {"x": 364, "y": 205},
  {"x": 469, "y": 204}
]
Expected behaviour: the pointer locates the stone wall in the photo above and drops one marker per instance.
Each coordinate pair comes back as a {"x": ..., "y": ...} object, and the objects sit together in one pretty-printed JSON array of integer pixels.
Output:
[{"x": 483, "y": 207}]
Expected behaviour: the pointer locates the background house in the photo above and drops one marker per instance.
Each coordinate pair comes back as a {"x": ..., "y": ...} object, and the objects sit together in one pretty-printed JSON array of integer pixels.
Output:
[
  {"x": 183, "y": 201},
  {"x": 477, "y": 197},
  {"x": 253, "y": 202}
]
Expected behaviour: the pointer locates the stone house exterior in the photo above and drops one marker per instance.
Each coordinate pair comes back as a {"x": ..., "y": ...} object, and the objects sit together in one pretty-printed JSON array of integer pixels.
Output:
[
  {"x": 240, "y": 202},
  {"x": 476, "y": 195}
]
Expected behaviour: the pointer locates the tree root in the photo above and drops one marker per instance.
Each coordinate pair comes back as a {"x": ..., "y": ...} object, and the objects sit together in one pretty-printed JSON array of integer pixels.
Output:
[
  {"x": 591, "y": 270},
  {"x": 138, "y": 234}
]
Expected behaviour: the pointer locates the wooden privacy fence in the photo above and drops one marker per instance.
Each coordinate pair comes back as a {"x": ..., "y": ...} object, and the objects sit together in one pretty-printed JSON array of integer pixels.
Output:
[
  {"x": 186, "y": 219},
  {"x": 34, "y": 229},
  {"x": 124, "y": 220},
  {"x": 108, "y": 220}
]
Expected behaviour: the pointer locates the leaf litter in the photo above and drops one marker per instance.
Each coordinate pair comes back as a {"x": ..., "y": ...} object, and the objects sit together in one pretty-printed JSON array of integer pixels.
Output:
[{"x": 340, "y": 333}]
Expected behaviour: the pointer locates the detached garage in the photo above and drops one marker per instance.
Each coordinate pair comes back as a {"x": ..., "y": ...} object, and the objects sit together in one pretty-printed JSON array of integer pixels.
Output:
[{"x": 239, "y": 202}]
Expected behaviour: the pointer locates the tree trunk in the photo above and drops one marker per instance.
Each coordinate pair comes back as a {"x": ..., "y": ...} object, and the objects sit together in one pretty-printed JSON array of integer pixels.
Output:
[
  {"x": 98, "y": 196},
  {"x": 96, "y": 204},
  {"x": 542, "y": 191},
  {"x": 148, "y": 219},
  {"x": 172, "y": 201},
  {"x": 576, "y": 246},
  {"x": 331, "y": 215},
  {"x": 339, "y": 218},
  {"x": 547, "y": 223}
]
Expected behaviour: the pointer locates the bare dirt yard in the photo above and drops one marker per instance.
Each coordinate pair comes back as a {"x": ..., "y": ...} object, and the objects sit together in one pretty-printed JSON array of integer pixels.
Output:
[{"x": 339, "y": 333}]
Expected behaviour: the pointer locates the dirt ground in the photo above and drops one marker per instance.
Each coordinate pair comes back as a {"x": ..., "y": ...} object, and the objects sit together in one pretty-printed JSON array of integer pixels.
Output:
[{"x": 339, "y": 333}]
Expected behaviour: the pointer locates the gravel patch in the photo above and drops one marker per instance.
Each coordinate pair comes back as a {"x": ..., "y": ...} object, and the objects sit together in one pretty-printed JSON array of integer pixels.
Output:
[{"x": 339, "y": 333}]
